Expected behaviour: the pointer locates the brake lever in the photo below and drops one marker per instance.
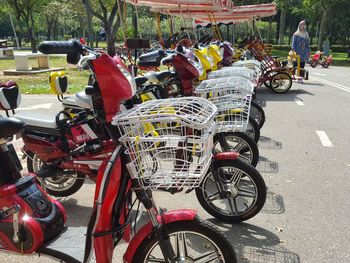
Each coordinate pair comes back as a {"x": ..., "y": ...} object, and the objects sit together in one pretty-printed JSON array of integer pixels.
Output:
[{"x": 84, "y": 59}]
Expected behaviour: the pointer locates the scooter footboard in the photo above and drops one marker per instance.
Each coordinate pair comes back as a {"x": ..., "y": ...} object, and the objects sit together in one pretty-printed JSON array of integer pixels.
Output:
[{"x": 146, "y": 230}]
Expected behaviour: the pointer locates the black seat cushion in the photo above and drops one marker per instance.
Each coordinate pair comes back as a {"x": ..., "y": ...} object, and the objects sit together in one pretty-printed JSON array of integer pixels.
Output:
[
  {"x": 9, "y": 127},
  {"x": 163, "y": 75},
  {"x": 140, "y": 81},
  {"x": 10, "y": 97}
]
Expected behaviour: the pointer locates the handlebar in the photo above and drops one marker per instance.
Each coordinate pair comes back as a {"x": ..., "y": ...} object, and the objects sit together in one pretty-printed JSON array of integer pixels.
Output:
[{"x": 60, "y": 47}]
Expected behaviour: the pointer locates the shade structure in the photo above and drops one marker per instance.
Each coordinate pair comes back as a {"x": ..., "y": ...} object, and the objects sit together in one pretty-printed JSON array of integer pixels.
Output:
[
  {"x": 223, "y": 13},
  {"x": 163, "y": 6}
]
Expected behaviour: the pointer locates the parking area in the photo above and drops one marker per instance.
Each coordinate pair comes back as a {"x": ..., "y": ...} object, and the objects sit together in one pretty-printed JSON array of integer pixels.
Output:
[{"x": 305, "y": 161}]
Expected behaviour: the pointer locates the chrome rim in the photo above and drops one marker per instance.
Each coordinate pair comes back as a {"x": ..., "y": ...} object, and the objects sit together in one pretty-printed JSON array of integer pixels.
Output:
[
  {"x": 250, "y": 131},
  {"x": 241, "y": 192},
  {"x": 235, "y": 144},
  {"x": 55, "y": 183},
  {"x": 255, "y": 114},
  {"x": 189, "y": 247},
  {"x": 280, "y": 82}
]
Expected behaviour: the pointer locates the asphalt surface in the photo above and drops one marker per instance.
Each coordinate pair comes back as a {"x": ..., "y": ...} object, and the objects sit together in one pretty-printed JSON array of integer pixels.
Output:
[{"x": 305, "y": 162}]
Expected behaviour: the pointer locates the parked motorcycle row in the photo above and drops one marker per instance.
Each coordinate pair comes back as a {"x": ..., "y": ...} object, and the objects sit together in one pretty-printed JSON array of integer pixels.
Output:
[{"x": 193, "y": 127}]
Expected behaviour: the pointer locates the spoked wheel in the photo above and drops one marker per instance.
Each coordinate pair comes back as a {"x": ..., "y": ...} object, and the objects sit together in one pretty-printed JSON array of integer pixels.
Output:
[
  {"x": 257, "y": 113},
  {"x": 60, "y": 185},
  {"x": 238, "y": 142},
  {"x": 281, "y": 82},
  {"x": 253, "y": 130},
  {"x": 244, "y": 192},
  {"x": 192, "y": 241}
]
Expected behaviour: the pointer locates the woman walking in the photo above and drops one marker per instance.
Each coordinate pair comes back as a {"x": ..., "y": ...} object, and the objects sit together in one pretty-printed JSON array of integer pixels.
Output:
[{"x": 301, "y": 44}]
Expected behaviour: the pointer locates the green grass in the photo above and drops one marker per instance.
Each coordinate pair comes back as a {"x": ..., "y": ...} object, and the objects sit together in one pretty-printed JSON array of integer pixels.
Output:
[{"x": 39, "y": 83}]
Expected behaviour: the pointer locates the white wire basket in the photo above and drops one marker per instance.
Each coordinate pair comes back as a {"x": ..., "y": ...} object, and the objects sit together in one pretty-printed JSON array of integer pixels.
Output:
[
  {"x": 233, "y": 72},
  {"x": 169, "y": 142},
  {"x": 232, "y": 114},
  {"x": 224, "y": 86},
  {"x": 250, "y": 63}
]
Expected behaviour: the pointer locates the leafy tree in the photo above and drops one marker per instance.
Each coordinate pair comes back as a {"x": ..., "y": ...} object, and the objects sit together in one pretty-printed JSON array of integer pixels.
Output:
[
  {"x": 26, "y": 12},
  {"x": 106, "y": 12}
]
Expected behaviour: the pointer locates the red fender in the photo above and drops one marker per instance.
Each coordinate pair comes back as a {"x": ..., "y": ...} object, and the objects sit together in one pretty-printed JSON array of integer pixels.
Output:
[
  {"x": 226, "y": 156},
  {"x": 145, "y": 231}
]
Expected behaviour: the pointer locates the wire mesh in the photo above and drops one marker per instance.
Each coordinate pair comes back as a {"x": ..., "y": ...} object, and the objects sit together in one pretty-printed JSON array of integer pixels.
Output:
[
  {"x": 224, "y": 86},
  {"x": 233, "y": 72},
  {"x": 233, "y": 113},
  {"x": 169, "y": 142}
]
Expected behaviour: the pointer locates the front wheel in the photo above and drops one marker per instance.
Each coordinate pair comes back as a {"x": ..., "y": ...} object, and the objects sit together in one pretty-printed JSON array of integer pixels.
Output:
[
  {"x": 253, "y": 130},
  {"x": 237, "y": 195},
  {"x": 192, "y": 241},
  {"x": 313, "y": 64},
  {"x": 237, "y": 142},
  {"x": 281, "y": 82},
  {"x": 257, "y": 113}
]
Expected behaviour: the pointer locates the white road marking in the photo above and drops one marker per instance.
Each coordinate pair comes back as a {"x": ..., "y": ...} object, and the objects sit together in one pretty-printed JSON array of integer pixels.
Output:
[
  {"x": 326, "y": 142},
  {"x": 333, "y": 84},
  {"x": 319, "y": 74},
  {"x": 299, "y": 102},
  {"x": 38, "y": 106}
]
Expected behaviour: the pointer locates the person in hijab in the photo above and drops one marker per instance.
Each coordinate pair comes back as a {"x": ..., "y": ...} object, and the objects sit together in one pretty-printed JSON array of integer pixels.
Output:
[{"x": 301, "y": 44}]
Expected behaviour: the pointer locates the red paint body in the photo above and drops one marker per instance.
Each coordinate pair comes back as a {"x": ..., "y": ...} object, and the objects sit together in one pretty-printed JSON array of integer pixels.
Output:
[
  {"x": 114, "y": 88},
  {"x": 146, "y": 230}
]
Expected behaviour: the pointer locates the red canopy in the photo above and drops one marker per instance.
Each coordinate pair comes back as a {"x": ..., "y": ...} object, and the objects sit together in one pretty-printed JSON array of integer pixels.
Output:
[{"x": 225, "y": 14}]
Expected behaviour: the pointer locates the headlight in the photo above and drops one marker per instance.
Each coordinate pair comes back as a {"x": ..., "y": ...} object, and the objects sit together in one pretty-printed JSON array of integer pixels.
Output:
[{"x": 131, "y": 80}]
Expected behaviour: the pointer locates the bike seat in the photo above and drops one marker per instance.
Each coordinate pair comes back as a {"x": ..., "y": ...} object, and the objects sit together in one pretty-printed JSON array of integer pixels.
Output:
[
  {"x": 161, "y": 76},
  {"x": 9, "y": 127},
  {"x": 80, "y": 100},
  {"x": 151, "y": 59},
  {"x": 37, "y": 119},
  {"x": 140, "y": 81}
]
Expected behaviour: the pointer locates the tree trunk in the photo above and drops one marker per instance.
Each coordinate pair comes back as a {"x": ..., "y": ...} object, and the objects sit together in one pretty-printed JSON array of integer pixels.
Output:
[
  {"x": 134, "y": 24},
  {"x": 322, "y": 28},
  {"x": 282, "y": 26},
  {"x": 89, "y": 23},
  {"x": 269, "y": 31},
  {"x": 49, "y": 29},
  {"x": 110, "y": 38}
]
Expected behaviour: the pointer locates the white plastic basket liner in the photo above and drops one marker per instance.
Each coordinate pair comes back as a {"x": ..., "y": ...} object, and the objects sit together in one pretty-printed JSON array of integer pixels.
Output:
[{"x": 169, "y": 142}]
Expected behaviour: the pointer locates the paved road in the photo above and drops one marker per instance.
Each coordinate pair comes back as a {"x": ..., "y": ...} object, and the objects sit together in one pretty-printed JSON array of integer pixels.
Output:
[{"x": 305, "y": 161}]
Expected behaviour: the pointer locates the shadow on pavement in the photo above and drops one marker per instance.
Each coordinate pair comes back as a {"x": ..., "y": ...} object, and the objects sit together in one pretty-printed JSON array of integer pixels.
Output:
[
  {"x": 268, "y": 143},
  {"x": 267, "y": 166},
  {"x": 254, "y": 244},
  {"x": 264, "y": 95},
  {"x": 77, "y": 215},
  {"x": 274, "y": 204}
]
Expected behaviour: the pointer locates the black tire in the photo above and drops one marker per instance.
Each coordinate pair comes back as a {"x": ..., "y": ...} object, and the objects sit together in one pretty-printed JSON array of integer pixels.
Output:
[
  {"x": 325, "y": 64},
  {"x": 313, "y": 64},
  {"x": 253, "y": 130},
  {"x": 74, "y": 186},
  {"x": 239, "y": 142},
  {"x": 267, "y": 84},
  {"x": 196, "y": 226},
  {"x": 277, "y": 85},
  {"x": 248, "y": 173},
  {"x": 257, "y": 113}
]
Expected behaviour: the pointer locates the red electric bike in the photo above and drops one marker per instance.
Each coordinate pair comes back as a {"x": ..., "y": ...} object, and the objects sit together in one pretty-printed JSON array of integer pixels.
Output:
[{"x": 30, "y": 221}]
